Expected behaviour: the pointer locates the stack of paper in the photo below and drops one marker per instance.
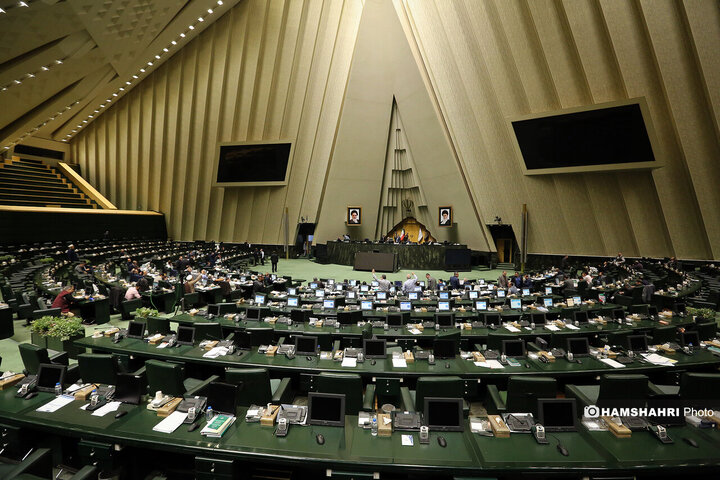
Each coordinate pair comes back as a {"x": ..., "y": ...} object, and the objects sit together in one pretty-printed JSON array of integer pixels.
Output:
[
  {"x": 215, "y": 352},
  {"x": 349, "y": 362},
  {"x": 217, "y": 426},
  {"x": 56, "y": 404},
  {"x": 656, "y": 359},
  {"x": 611, "y": 362},
  {"x": 512, "y": 329},
  {"x": 171, "y": 422},
  {"x": 493, "y": 364}
]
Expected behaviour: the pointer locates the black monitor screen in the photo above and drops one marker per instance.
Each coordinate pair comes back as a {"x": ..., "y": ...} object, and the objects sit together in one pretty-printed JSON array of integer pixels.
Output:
[
  {"x": 578, "y": 346},
  {"x": 185, "y": 335},
  {"x": 252, "y": 314},
  {"x": 637, "y": 343},
  {"x": 444, "y": 414},
  {"x": 581, "y": 317},
  {"x": 326, "y": 409},
  {"x": 611, "y": 135},
  {"x": 444, "y": 348},
  {"x": 374, "y": 348},
  {"x": 619, "y": 314},
  {"x": 48, "y": 375},
  {"x": 492, "y": 319},
  {"x": 513, "y": 348},
  {"x": 394, "y": 319},
  {"x": 129, "y": 388},
  {"x": 223, "y": 397},
  {"x": 538, "y": 318},
  {"x": 253, "y": 163},
  {"x": 136, "y": 329},
  {"x": 444, "y": 320},
  {"x": 241, "y": 340},
  {"x": 690, "y": 338},
  {"x": 223, "y": 308},
  {"x": 306, "y": 345},
  {"x": 214, "y": 310},
  {"x": 557, "y": 414}
]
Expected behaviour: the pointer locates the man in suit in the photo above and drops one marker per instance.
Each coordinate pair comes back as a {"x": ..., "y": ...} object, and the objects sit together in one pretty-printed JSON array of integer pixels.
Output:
[
  {"x": 454, "y": 281},
  {"x": 274, "y": 259},
  {"x": 259, "y": 284},
  {"x": 72, "y": 254},
  {"x": 262, "y": 257},
  {"x": 445, "y": 217},
  {"x": 354, "y": 217},
  {"x": 430, "y": 282},
  {"x": 502, "y": 281}
]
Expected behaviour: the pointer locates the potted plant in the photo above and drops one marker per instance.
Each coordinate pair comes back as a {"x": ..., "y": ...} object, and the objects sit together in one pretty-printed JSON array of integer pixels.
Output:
[
  {"x": 144, "y": 313},
  {"x": 707, "y": 314},
  {"x": 63, "y": 332},
  {"x": 39, "y": 330}
]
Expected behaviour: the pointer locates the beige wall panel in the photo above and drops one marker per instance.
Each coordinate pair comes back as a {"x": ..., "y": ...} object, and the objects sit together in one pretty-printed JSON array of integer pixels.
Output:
[
  {"x": 157, "y": 140},
  {"x": 689, "y": 109},
  {"x": 123, "y": 114},
  {"x": 101, "y": 158},
  {"x": 112, "y": 146},
  {"x": 146, "y": 136},
  {"x": 640, "y": 76},
  {"x": 172, "y": 138},
  {"x": 135, "y": 151}
]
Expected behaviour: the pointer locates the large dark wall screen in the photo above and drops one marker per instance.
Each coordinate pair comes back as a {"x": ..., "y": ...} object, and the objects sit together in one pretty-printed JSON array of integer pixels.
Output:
[
  {"x": 253, "y": 163},
  {"x": 610, "y": 136}
]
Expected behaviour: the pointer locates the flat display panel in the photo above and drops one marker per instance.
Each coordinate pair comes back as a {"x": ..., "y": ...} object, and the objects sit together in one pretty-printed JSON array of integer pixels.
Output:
[{"x": 252, "y": 164}]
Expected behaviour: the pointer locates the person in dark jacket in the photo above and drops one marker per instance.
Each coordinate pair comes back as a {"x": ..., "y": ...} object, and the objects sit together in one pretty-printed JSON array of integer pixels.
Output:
[
  {"x": 274, "y": 260},
  {"x": 64, "y": 299}
]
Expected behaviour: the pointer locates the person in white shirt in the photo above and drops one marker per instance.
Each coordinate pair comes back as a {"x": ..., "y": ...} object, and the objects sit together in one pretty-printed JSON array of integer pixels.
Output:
[
  {"x": 588, "y": 279},
  {"x": 409, "y": 284},
  {"x": 383, "y": 282},
  {"x": 132, "y": 293}
]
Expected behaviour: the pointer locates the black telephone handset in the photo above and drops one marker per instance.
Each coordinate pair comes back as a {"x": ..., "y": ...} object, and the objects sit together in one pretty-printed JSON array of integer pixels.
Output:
[{"x": 26, "y": 389}]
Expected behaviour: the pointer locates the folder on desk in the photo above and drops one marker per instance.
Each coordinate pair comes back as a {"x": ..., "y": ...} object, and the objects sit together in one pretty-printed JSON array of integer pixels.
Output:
[{"x": 217, "y": 426}]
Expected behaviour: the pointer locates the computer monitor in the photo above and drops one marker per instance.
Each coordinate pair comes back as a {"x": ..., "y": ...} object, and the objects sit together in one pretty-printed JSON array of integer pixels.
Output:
[
  {"x": 329, "y": 303},
  {"x": 252, "y": 313},
  {"x": 313, "y": 285},
  {"x": 514, "y": 348},
  {"x": 381, "y": 295},
  {"x": 557, "y": 414},
  {"x": 637, "y": 343},
  {"x": 481, "y": 305},
  {"x": 293, "y": 301},
  {"x": 690, "y": 338},
  {"x": 526, "y": 292},
  {"x": 395, "y": 319},
  {"x": 330, "y": 281},
  {"x": 339, "y": 287},
  {"x": 548, "y": 302},
  {"x": 243, "y": 278},
  {"x": 374, "y": 283},
  {"x": 581, "y": 316},
  {"x": 219, "y": 309},
  {"x": 444, "y": 306},
  {"x": 501, "y": 293},
  {"x": 413, "y": 295},
  {"x": 135, "y": 329},
  {"x": 538, "y": 318},
  {"x": 48, "y": 375},
  {"x": 374, "y": 348},
  {"x": 445, "y": 319},
  {"x": 320, "y": 293},
  {"x": 619, "y": 314},
  {"x": 353, "y": 282},
  {"x": 444, "y": 348},
  {"x": 578, "y": 346},
  {"x": 326, "y": 409},
  {"x": 366, "y": 305},
  {"x": 548, "y": 290},
  {"x": 185, "y": 335},
  {"x": 129, "y": 388},
  {"x": 444, "y": 295},
  {"x": 350, "y": 294},
  {"x": 223, "y": 397},
  {"x": 422, "y": 283},
  {"x": 443, "y": 414},
  {"x": 273, "y": 277},
  {"x": 392, "y": 290},
  {"x": 577, "y": 300},
  {"x": 306, "y": 345},
  {"x": 570, "y": 302},
  {"x": 364, "y": 288},
  {"x": 292, "y": 291},
  {"x": 492, "y": 319},
  {"x": 405, "y": 306},
  {"x": 260, "y": 298},
  {"x": 515, "y": 303},
  {"x": 473, "y": 294},
  {"x": 241, "y": 340}
]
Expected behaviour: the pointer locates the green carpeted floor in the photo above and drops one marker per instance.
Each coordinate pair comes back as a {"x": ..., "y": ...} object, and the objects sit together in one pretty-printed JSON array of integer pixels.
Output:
[{"x": 296, "y": 268}]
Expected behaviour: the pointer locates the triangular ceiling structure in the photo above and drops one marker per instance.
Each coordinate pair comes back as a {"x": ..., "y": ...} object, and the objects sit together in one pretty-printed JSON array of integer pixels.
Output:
[
  {"x": 63, "y": 62},
  {"x": 385, "y": 70}
]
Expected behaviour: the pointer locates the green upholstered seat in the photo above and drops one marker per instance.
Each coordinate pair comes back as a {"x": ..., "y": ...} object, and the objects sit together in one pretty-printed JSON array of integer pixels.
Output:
[
  {"x": 257, "y": 386},
  {"x": 351, "y": 385},
  {"x": 521, "y": 394}
]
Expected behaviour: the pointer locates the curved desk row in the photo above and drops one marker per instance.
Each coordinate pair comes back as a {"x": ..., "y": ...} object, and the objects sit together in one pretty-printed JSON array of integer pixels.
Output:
[{"x": 353, "y": 449}]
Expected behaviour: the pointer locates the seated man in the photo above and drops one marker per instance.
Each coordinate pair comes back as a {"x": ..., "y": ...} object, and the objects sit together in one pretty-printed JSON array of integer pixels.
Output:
[
  {"x": 132, "y": 292},
  {"x": 64, "y": 299}
]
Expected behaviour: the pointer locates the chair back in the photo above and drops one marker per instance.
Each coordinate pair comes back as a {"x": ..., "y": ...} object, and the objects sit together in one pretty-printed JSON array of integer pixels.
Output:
[
  {"x": 158, "y": 325},
  {"x": 700, "y": 386},
  {"x": 260, "y": 336},
  {"x": 32, "y": 356},
  {"x": 255, "y": 385},
  {"x": 349, "y": 384},
  {"x": 98, "y": 368},
  {"x": 208, "y": 331},
  {"x": 523, "y": 393},
  {"x": 445, "y": 387},
  {"x": 166, "y": 377},
  {"x": 632, "y": 389}
]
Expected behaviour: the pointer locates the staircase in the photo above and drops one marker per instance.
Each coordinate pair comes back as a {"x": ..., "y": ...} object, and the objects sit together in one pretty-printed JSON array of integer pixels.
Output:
[{"x": 32, "y": 183}]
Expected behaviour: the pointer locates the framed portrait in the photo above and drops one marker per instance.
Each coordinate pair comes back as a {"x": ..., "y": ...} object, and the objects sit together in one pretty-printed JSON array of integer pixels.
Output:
[
  {"x": 445, "y": 216},
  {"x": 354, "y": 216}
]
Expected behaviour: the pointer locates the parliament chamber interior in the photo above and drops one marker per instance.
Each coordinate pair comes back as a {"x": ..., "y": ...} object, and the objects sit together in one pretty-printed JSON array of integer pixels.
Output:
[{"x": 359, "y": 239}]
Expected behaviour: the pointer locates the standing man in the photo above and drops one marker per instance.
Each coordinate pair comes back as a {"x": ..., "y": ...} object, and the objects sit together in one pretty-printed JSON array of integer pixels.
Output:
[
  {"x": 383, "y": 282},
  {"x": 256, "y": 256},
  {"x": 502, "y": 280},
  {"x": 409, "y": 284},
  {"x": 262, "y": 257},
  {"x": 274, "y": 261},
  {"x": 430, "y": 282},
  {"x": 454, "y": 281},
  {"x": 72, "y": 254}
]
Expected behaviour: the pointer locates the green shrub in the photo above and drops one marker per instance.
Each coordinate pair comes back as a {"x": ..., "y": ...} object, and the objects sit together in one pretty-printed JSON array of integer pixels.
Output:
[
  {"x": 144, "y": 312},
  {"x": 65, "y": 328},
  {"x": 42, "y": 325},
  {"x": 707, "y": 313}
]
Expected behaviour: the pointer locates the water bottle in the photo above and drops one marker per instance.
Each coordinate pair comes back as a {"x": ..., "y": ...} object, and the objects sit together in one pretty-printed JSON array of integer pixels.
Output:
[
  {"x": 374, "y": 426},
  {"x": 209, "y": 414},
  {"x": 58, "y": 389}
]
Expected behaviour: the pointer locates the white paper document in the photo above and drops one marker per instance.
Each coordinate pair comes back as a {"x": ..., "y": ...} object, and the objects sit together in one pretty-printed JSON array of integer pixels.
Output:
[
  {"x": 399, "y": 363},
  {"x": 656, "y": 359},
  {"x": 349, "y": 362},
  {"x": 171, "y": 422},
  {"x": 493, "y": 364},
  {"x": 105, "y": 409},
  {"x": 512, "y": 329},
  {"x": 552, "y": 328},
  {"x": 56, "y": 404},
  {"x": 611, "y": 362}
]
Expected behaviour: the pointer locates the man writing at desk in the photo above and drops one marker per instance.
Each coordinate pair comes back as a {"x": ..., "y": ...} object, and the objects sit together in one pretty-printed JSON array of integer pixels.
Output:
[
  {"x": 65, "y": 300},
  {"x": 383, "y": 282},
  {"x": 409, "y": 285}
]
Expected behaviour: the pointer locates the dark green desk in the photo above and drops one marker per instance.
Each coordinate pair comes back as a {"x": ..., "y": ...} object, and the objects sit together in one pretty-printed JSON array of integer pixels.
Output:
[{"x": 353, "y": 449}]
